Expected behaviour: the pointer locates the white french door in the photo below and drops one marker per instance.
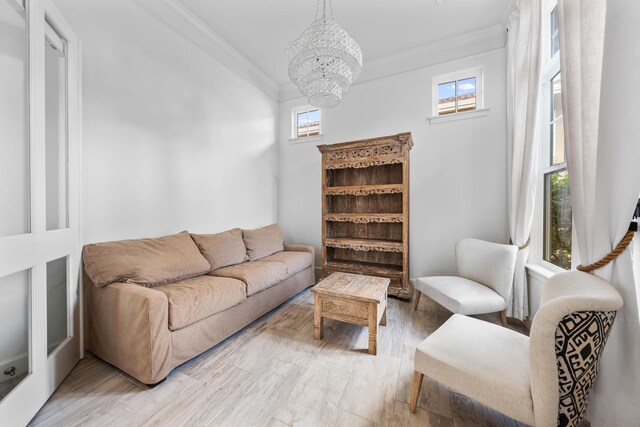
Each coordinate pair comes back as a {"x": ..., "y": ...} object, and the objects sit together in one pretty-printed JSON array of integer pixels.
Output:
[{"x": 39, "y": 206}]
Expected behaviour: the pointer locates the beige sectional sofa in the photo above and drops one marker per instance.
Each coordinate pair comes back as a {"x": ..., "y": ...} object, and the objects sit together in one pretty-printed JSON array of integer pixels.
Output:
[{"x": 153, "y": 304}]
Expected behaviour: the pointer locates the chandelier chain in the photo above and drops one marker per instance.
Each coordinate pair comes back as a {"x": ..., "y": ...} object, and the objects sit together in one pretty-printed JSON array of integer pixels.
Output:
[{"x": 324, "y": 10}]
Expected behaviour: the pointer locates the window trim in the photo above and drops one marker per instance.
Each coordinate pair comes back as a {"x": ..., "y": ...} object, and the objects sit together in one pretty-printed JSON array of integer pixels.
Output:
[
  {"x": 476, "y": 72},
  {"x": 479, "y": 112},
  {"x": 294, "y": 115}
]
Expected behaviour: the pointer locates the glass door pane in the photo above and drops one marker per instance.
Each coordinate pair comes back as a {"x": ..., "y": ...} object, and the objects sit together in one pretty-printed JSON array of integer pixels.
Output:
[
  {"x": 15, "y": 217},
  {"x": 56, "y": 129},
  {"x": 57, "y": 303},
  {"x": 14, "y": 341}
]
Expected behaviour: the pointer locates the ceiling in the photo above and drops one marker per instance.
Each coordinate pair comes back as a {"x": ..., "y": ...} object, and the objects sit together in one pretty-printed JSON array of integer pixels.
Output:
[{"x": 261, "y": 30}]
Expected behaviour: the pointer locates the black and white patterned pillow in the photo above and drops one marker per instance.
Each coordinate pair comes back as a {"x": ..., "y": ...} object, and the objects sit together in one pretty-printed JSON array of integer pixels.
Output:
[{"x": 580, "y": 340}]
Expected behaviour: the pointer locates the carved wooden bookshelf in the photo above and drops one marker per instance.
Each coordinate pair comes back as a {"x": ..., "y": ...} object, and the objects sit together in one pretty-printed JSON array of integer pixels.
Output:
[{"x": 365, "y": 209}]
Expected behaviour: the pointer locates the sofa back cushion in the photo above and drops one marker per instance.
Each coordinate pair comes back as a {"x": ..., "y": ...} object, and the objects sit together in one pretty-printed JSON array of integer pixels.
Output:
[
  {"x": 147, "y": 262},
  {"x": 263, "y": 242},
  {"x": 257, "y": 275},
  {"x": 222, "y": 249}
]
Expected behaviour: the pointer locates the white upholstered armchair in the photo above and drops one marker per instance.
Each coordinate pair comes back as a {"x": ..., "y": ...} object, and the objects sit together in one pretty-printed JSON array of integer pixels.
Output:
[
  {"x": 544, "y": 379},
  {"x": 483, "y": 284}
]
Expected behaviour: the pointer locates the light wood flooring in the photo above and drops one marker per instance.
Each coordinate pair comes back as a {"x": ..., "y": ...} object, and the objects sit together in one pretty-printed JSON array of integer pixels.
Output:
[{"x": 273, "y": 373}]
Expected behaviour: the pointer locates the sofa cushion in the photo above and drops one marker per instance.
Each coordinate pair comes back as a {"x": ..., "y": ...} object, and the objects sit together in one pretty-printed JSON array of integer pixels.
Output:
[
  {"x": 263, "y": 242},
  {"x": 295, "y": 261},
  {"x": 222, "y": 249},
  {"x": 191, "y": 300},
  {"x": 258, "y": 275},
  {"x": 147, "y": 262}
]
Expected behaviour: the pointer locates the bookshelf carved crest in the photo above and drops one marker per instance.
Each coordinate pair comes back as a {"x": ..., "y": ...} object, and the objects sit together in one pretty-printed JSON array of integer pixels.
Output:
[{"x": 359, "y": 153}]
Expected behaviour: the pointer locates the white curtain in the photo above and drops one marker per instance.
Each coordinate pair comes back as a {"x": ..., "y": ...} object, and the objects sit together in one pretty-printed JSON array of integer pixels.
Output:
[
  {"x": 581, "y": 28},
  {"x": 599, "y": 70},
  {"x": 523, "y": 80}
]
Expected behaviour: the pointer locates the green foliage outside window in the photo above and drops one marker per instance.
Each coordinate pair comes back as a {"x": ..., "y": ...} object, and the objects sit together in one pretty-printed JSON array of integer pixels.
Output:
[{"x": 559, "y": 227}]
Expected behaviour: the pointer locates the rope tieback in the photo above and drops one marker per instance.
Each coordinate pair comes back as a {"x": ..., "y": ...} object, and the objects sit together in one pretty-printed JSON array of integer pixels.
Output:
[
  {"x": 525, "y": 246},
  {"x": 626, "y": 241}
]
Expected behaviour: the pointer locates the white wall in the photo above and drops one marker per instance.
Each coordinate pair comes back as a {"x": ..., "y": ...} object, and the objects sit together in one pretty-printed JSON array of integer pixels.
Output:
[
  {"x": 458, "y": 169},
  {"x": 172, "y": 140},
  {"x": 537, "y": 277}
]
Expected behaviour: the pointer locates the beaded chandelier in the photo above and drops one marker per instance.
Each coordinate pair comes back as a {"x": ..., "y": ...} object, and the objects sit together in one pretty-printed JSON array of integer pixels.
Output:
[{"x": 325, "y": 60}]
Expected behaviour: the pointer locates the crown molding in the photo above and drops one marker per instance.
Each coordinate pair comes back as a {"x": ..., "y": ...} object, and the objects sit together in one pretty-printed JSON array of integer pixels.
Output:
[
  {"x": 467, "y": 44},
  {"x": 175, "y": 15}
]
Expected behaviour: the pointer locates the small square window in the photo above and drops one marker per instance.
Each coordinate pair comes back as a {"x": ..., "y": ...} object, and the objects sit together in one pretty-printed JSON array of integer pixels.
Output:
[
  {"x": 306, "y": 122},
  {"x": 457, "y": 93}
]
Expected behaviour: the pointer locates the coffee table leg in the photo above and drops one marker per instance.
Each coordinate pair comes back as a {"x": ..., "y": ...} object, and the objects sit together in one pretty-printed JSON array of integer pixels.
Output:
[
  {"x": 373, "y": 328},
  {"x": 317, "y": 317}
]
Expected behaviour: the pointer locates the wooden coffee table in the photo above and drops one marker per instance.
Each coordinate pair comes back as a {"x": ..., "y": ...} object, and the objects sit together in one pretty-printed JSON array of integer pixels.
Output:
[{"x": 351, "y": 298}]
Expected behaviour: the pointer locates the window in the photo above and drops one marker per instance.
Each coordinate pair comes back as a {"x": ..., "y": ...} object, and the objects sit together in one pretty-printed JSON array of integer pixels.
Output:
[
  {"x": 457, "y": 93},
  {"x": 557, "y": 221},
  {"x": 553, "y": 26},
  {"x": 306, "y": 122},
  {"x": 556, "y": 128}
]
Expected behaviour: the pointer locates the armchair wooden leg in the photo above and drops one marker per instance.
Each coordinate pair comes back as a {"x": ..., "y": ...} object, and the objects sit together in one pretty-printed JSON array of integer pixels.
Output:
[
  {"x": 417, "y": 383},
  {"x": 503, "y": 317},
  {"x": 415, "y": 306}
]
